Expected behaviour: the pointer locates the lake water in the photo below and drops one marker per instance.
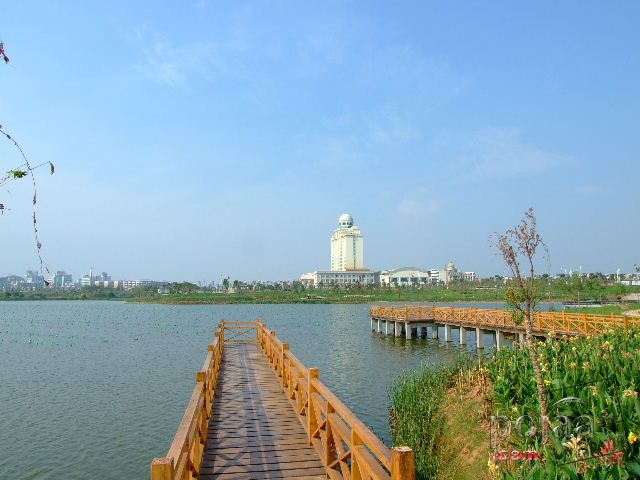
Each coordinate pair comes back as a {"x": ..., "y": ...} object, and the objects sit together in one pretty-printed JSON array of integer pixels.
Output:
[{"x": 97, "y": 389}]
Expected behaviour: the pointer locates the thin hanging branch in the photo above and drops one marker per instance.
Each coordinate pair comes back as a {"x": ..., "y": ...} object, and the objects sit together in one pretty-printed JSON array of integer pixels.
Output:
[
  {"x": 20, "y": 172},
  {"x": 3, "y": 55}
]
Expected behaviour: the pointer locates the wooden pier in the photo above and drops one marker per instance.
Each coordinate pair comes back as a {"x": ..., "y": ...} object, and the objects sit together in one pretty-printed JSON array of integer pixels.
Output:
[
  {"x": 411, "y": 320},
  {"x": 258, "y": 413}
]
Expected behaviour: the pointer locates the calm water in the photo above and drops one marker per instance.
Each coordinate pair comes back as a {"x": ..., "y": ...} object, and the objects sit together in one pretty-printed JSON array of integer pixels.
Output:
[{"x": 97, "y": 389}]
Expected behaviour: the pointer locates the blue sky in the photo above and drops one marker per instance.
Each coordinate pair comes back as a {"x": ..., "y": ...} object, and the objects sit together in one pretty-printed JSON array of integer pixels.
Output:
[{"x": 196, "y": 140}]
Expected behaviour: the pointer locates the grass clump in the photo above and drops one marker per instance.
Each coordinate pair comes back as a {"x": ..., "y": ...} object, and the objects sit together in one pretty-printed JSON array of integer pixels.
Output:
[{"x": 418, "y": 418}]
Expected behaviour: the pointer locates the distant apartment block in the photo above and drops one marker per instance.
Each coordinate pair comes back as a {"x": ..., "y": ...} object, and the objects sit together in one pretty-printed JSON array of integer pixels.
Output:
[{"x": 62, "y": 280}]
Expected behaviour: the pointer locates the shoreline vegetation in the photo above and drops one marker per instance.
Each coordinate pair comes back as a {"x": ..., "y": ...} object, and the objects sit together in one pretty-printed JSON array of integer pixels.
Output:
[
  {"x": 594, "y": 299},
  {"x": 593, "y": 386}
]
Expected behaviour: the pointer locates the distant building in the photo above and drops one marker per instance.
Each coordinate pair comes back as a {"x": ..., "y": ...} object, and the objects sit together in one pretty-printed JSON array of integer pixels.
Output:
[
  {"x": 408, "y": 276},
  {"x": 11, "y": 282},
  {"x": 415, "y": 276},
  {"x": 452, "y": 274},
  {"x": 62, "y": 280},
  {"x": 347, "y": 246},
  {"x": 347, "y": 259},
  {"x": 327, "y": 278},
  {"x": 131, "y": 284},
  {"x": 33, "y": 280}
]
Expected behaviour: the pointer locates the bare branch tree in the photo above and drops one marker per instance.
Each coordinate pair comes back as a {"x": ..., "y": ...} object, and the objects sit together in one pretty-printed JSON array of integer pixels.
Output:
[{"x": 518, "y": 247}]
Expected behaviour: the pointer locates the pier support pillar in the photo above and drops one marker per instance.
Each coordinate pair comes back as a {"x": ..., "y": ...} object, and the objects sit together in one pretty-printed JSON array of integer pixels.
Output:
[
  {"x": 521, "y": 339},
  {"x": 479, "y": 339},
  {"x": 419, "y": 332},
  {"x": 372, "y": 327},
  {"x": 379, "y": 326},
  {"x": 499, "y": 339},
  {"x": 447, "y": 332},
  {"x": 434, "y": 331},
  {"x": 398, "y": 329},
  {"x": 463, "y": 336},
  {"x": 386, "y": 327},
  {"x": 407, "y": 330}
]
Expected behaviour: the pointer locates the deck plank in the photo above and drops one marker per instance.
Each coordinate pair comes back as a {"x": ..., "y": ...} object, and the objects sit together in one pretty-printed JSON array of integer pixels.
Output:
[{"x": 254, "y": 432}]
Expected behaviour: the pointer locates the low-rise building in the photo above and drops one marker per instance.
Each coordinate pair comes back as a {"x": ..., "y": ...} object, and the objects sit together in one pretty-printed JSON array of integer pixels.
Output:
[
  {"x": 327, "y": 278},
  {"x": 407, "y": 276}
]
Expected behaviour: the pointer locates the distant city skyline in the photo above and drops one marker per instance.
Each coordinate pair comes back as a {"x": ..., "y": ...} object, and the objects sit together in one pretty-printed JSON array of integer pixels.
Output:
[{"x": 200, "y": 140}]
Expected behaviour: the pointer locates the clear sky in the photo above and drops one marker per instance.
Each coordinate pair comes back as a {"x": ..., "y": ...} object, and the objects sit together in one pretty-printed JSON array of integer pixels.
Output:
[{"x": 196, "y": 140}]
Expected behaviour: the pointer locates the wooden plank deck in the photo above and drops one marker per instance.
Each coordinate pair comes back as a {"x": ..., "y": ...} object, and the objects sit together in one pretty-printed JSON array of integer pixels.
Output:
[{"x": 254, "y": 432}]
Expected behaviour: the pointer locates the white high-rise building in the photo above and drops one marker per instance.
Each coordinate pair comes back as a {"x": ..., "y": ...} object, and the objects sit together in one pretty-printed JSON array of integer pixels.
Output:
[
  {"x": 347, "y": 246},
  {"x": 347, "y": 259}
]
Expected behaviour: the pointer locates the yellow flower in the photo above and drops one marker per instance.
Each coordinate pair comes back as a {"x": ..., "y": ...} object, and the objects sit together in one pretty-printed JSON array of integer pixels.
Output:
[
  {"x": 607, "y": 346},
  {"x": 586, "y": 365},
  {"x": 493, "y": 468},
  {"x": 514, "y": 409},
  {"x": 633, "y": 438},
  {"x": 628, "y": 393},
  {"x": 593, "y": 389},
  {"x": 547, "y": 383},
  {"x": 573, "y": 365}
]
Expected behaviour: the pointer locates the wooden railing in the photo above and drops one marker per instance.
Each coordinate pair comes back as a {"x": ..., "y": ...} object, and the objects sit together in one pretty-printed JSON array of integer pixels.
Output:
[
  {"x": 185, "y": 454},
  {"x": 347, "y": 448},
  {"x": 559, "y": 322}
]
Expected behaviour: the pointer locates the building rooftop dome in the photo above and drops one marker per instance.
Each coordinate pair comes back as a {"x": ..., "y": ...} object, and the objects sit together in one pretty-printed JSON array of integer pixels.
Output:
[{"x": 345, "y": 220}]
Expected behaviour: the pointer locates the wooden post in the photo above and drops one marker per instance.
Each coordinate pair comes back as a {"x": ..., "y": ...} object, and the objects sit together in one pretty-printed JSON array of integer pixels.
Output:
[
  {"x": 406, "y": 312},
  {"x": 311, "y": 414},
  {"x": 626, "y": 322},
  {"x": 272, "y": 335},
  {"x": 330, "y": 447},
  {"x": 403, "y": 464},
  {"x": 162, "y": 469},
  {"x": 285, "y": 347},
  {"x": 356, "y": 473}
]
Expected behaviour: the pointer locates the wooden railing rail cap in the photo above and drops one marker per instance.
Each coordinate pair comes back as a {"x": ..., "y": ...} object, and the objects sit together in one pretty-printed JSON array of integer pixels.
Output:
[
  {"x": 189, "y": 420},
  {"x": 297, "y": 363}
]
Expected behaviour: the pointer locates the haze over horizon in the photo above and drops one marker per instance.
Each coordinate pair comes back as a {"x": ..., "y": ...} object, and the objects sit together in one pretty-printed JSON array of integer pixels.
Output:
[{"x": 197, "y": 140}]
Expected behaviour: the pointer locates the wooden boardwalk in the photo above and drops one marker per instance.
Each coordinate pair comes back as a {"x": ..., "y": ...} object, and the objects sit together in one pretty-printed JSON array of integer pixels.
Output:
[
  {"x": 257, "y": 412},
  {"x": 410, "y": 317},
  {"x": 254, "y": 432}
]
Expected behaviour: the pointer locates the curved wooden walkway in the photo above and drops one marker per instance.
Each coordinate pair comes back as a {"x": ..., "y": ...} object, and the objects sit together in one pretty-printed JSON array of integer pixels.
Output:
[{"x": 254, "y": 432}]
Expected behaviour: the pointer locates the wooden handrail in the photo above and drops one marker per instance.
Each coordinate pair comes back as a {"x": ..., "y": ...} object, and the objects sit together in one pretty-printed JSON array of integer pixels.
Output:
[
  {"x": 186, "y": 451},
  {"x": 347, "y": 447},
  {"x": 559, "y": 322}
]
